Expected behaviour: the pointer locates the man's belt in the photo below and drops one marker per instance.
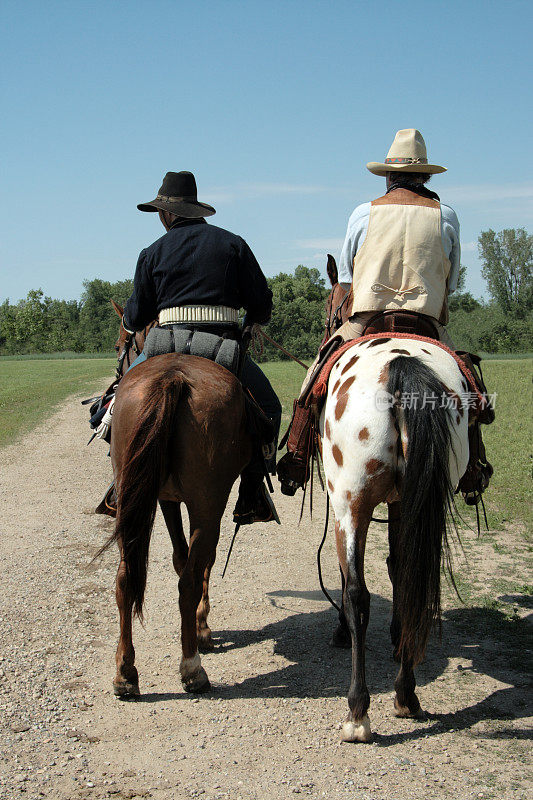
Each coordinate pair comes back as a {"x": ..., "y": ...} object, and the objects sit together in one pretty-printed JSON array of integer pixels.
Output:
[{"x": 215, "y": 314}]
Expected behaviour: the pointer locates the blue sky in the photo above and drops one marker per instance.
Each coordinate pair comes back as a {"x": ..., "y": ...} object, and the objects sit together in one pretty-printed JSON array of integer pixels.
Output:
[{"x": 275, "y": 106}]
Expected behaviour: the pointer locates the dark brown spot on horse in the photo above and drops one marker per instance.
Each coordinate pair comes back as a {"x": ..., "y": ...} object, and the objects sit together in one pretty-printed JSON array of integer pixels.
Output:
[
  {"x": 426, "y": 351},
  {"x": 401, "y": 352},
  {"x": 328, "y": 429},
  {"x": 337, "y": 455},
  {"x": 349, "y": 364},
  {"x": 373, "y": 465},
  {"x": 374, "y": 342},
  {"x": 346, "y": 385},
  {"x": 342, "y": 402},
  {"x": 330, "y": 485},
  {"x": 363, "y": 434},
  {"x": 384, "y": 374},
  {"x": 337, "y": 384}
]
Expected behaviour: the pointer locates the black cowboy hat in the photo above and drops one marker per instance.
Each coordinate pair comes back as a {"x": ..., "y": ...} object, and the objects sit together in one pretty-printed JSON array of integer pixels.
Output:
[{"x": 178, "y": 194}]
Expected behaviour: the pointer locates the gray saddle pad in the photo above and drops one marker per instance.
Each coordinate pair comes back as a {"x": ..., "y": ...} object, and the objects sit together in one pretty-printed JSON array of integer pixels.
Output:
[{"x": 174, "y": 339}]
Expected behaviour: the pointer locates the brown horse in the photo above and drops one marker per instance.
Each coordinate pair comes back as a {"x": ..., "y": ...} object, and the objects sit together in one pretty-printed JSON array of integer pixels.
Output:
[
  {"x": 338, "y": 301},
  {"x": 179, "y": 435}
]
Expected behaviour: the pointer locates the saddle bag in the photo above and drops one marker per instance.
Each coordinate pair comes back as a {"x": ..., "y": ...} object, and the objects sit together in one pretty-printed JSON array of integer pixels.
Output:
[{"x": 177, "y": 339}]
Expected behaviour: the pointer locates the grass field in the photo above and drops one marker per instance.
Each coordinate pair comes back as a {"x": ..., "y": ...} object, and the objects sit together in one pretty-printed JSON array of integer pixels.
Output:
[{"x": 31, "y": 388}]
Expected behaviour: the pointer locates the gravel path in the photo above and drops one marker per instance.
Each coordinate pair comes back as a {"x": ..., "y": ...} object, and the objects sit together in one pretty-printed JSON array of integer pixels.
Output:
[{"x": 270, "y": 726}]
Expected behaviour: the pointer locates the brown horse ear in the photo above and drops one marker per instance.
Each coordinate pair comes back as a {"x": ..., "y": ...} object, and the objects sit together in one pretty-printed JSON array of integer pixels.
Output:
[
  {"x": 118, "y": 309},
  {"x": 333, "y": 274}
]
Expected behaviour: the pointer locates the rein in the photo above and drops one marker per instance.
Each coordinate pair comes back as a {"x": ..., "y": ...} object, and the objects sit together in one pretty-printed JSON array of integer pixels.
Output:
[
  {"x": 130, "y": 343},
  {"x": 290, "y": 355}
]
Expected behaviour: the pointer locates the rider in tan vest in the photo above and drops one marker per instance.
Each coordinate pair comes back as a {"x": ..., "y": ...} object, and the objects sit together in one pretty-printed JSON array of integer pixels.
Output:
[{"x": 401, "y": 253}]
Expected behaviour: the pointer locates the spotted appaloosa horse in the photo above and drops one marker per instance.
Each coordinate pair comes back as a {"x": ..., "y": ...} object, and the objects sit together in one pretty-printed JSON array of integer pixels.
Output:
[
  {"x": 179, "y": 435},
  {"x": 378, "y": 449}
]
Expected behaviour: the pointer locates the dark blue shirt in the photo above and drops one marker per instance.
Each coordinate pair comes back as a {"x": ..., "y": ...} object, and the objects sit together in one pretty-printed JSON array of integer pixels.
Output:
[{"x": 197, "y": 264}]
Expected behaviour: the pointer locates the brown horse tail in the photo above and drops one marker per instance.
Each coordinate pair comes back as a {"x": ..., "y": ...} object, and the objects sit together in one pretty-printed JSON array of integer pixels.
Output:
[
  {"x": 144, "y": 467},
  {"x": 427, "y": 502}
]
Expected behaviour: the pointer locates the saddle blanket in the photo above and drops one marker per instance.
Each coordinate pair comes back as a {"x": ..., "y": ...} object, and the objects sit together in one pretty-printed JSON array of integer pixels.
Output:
[
  {"x": 320, "y": 387},
  {"x": 177, "y": 339}
]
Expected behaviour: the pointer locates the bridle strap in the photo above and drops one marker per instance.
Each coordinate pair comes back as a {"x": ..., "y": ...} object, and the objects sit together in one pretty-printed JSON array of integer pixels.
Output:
[{"x": 130, "y": 343}]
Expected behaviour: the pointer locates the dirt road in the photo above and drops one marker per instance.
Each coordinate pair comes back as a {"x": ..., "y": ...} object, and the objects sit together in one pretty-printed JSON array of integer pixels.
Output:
[{"x": 270, "y": 726}]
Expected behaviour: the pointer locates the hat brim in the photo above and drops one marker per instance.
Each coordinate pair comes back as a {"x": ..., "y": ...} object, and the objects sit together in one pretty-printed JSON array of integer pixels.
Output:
[
  {"x": 181, "y": 208},
  {"x": 377, "y": 168}
]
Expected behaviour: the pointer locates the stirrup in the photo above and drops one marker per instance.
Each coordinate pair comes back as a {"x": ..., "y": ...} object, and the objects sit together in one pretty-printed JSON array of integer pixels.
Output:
[{"x": 255, "y": 513}]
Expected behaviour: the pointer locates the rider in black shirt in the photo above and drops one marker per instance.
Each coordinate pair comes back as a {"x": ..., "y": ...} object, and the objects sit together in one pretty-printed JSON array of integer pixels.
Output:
[{"x": 199, "y": 276}]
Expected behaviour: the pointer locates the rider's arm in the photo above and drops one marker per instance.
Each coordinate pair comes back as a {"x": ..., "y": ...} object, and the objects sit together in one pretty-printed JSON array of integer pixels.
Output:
[
  {"x": 451, "y": 243},
  {"x": 355, "y": 235},
  {"x": 141, "y": 307},
  {"x": 255, "y": 295}
]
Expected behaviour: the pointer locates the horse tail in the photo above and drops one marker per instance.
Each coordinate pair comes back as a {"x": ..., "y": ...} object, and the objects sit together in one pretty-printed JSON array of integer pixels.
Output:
[
  {"x": 426, "y": 500},
  {"x": 138, "y": 484}
]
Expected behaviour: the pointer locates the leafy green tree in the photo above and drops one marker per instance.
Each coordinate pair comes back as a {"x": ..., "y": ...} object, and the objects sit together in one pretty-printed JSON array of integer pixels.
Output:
[
  {"x": 61, "y": 325},
  {"x": 461, "y": 300},
  {"x": 507, "y": 259},
  {"x": 298, "y": 313},
  {"x": 98, "y": 321}
]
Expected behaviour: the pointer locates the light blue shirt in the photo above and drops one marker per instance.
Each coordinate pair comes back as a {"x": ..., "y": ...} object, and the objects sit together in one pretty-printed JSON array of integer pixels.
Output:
[{"x": 356, "y": 233}]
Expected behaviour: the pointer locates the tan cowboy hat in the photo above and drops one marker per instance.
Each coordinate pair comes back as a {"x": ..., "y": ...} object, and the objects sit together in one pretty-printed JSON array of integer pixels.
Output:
[{"x": 407, "y": 154}]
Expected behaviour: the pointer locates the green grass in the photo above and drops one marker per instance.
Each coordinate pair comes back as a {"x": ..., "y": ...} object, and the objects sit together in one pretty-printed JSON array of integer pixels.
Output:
[
  {"x": 509, "y": 441},
  {"x": 31, "y": 389},
  {"x": 64, "y": 355}
]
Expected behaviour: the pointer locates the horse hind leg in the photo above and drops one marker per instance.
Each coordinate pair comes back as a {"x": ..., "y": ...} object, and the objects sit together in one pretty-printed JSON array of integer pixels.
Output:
[
  {"x": 341, "y": 635},
  {"x": 203, "y": 631},
  {"x": 202, "y": 549},
  {"x": 406, "y": 702},
  {"x": 172, "y": 515},
  {"x": 126, "y": 682},
  {"x": 356, "y": 605}
]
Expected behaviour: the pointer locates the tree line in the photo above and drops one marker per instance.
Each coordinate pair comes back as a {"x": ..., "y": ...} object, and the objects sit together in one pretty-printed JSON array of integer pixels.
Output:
[{"x": 503, "y": 324}]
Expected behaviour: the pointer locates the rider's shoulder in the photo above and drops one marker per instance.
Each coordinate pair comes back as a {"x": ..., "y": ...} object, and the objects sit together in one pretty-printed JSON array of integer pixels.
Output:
[
  {"x": 360, "y": 212},
  {"x": 449, "y": 214},
  {"x": 215, "y": 231}
]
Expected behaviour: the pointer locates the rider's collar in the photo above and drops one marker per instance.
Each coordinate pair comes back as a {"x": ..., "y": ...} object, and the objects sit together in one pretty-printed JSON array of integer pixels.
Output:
[{"x": 182, "y": 221}]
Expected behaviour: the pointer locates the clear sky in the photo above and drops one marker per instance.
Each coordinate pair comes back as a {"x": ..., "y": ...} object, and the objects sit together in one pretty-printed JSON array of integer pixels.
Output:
[{"x": 275, "y": 106}]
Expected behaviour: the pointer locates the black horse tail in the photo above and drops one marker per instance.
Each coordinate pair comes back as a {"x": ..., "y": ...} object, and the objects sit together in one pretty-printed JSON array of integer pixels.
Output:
[
  {"x": 426, "y": 502},
  {"x": 143, "y": 471}
]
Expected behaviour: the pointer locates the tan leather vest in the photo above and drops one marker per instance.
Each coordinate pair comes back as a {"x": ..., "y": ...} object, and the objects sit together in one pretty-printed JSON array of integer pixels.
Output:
[{"x": 402, "y": 264}]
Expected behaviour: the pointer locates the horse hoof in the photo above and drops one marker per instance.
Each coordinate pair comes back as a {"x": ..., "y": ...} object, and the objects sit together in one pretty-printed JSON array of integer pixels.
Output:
[
  {"x": 404, "y": 712},
  {"x": 125, "y": 690},
  {"x": 196, "y": 682},
  {"x": 356, "y": 731},
  {"x": 341, "y": 638},
  {"x": 205, "y": 643}
]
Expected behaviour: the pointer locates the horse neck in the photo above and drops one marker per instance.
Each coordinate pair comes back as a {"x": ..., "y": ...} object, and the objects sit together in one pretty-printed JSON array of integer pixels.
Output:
[{"x": 335, "y": 298}]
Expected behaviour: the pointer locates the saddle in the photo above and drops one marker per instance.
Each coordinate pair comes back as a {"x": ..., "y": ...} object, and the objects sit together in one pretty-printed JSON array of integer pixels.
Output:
[{"x": 401, "y": 322}]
